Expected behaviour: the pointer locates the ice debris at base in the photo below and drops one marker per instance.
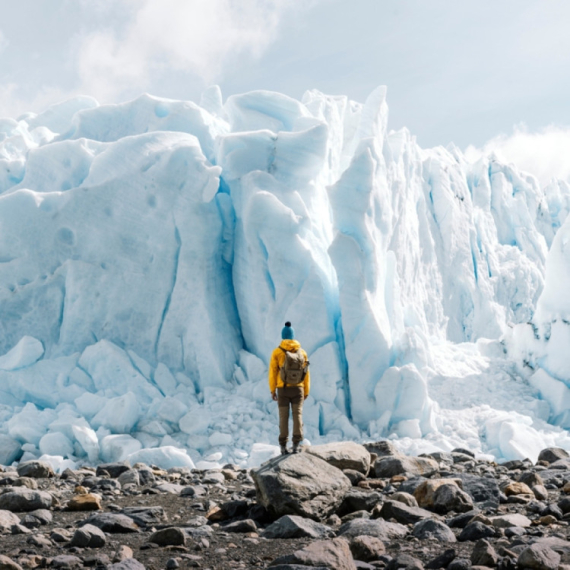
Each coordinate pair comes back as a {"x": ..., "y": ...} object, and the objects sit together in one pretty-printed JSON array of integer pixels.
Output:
[{"x": 151, "y": 251}]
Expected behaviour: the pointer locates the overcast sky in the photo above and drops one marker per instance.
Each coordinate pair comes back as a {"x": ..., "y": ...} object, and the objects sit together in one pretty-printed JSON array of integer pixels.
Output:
[{"x": 462, "y": 71}]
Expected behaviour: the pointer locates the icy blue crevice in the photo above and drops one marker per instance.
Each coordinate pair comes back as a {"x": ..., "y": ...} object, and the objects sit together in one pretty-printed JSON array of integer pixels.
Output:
[
  {"x": 171, "y": 290},
  {"x": 268, "y": 278},
  {"x": 343, "y": 365},
  {"x": 229, "y": 224},
  {"x": 61, "y": 312}
]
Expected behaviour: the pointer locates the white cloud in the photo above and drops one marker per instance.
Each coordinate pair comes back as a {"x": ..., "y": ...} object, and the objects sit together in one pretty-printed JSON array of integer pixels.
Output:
[
  {"x": 196, "y": 36},
  {"x": 543, "y": 153}
]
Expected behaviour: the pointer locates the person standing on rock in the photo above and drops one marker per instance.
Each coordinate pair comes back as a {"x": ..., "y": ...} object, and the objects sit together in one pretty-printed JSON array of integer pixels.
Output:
[{"x": 289, "y": 382}]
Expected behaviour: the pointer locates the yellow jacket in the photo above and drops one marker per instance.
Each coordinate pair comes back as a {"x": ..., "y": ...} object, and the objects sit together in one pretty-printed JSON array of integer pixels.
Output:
[{"x": 278, "y": 360}]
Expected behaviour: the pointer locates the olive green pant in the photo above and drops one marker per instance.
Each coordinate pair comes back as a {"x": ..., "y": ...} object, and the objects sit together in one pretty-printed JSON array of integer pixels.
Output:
[{"x": 290, "y": 397}]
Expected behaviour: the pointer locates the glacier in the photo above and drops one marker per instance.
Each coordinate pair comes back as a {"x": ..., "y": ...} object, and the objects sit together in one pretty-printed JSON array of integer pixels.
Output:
[{"x": 150, "y": 252}]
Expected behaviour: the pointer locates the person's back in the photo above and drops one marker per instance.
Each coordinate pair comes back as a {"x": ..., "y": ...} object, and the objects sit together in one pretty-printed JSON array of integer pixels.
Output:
[{"x": 289, "y": 383}]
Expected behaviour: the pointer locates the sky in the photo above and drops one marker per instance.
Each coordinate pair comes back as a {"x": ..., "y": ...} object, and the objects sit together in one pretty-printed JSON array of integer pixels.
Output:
[{"x": 489, "y": 75}]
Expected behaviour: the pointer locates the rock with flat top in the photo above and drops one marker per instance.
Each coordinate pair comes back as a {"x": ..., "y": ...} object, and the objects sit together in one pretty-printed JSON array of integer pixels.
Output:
[
  {"x": 343, "y": 455},
  {"x": 300, "y": 484}
]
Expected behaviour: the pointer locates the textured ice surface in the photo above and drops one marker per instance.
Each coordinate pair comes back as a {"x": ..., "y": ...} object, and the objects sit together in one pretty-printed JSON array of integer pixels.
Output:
[{"x": 151, "y": 251}]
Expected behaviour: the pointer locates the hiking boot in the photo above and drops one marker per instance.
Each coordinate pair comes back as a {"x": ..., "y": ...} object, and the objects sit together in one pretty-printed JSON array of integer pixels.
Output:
[
  {"x": 296, "y": 448},
  {"x": 284, "y": 450}
]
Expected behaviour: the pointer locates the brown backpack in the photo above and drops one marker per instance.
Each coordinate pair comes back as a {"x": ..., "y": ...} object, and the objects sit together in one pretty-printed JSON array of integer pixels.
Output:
[{"x": 294, "y": 368}]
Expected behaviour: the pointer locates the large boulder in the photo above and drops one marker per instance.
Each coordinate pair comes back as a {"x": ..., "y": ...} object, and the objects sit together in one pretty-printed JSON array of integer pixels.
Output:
[
  {"x": 389, "y": 466},
  {"x": 344, "y": 455},
  {"x": 22, "y": 499},
  {"x": 334, "y": 554},
  {"x": 300, "y": 484}
]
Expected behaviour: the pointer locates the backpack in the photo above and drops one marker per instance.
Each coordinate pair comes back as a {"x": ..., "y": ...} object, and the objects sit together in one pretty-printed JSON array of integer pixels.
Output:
[{"x": 294, "y": 368}]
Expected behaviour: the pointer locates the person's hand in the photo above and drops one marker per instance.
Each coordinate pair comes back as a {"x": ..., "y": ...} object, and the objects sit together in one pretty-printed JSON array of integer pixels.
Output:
[{"x": 274, "y": 396}]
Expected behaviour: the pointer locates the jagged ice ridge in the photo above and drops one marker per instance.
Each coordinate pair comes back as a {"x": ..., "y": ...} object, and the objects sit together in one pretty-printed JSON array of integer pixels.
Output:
[{"x": 150, "y": 252}]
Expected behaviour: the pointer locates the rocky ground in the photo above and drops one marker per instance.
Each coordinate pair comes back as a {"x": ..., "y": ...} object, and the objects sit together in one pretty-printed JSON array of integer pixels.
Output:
[{"x": 338, "y": 506}]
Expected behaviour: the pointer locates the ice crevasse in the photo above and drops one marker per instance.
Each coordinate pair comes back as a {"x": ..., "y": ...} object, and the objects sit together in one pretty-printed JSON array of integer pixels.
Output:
[{"x": 150, "y": 252}]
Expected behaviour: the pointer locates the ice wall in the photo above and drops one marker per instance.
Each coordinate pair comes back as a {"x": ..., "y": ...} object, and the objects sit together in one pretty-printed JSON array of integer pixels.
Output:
[{"x": 151, "y": 251}]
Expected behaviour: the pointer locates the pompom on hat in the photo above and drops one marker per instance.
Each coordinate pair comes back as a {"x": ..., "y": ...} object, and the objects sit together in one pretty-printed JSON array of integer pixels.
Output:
[{"x": 287, "y": 333}]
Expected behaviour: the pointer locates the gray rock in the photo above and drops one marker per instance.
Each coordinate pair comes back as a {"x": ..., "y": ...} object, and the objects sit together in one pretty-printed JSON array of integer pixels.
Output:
[
  {"x": 539, "y": 557},
  {"x": 10, "y": 450},
  {"x": 66, "y": 561},
  {"x": 129, "y": 477},
  {"x": 475, "y": 531},
  {"x": 300, "y": 484},
  {"x": 145, "y": 516},
  {"x": 333, "y": 554},
  {"x": 367, "y": 548},
  {"x": 459, "y": 564},
  {"x": 172, "y": 536},
  {"x": 480, "y": 489},
  {"x": 390, "y": 466},
  {"x": 405, "y": 498},
  {"x": 88, "y": 536},
  {"x": 213, "y": 478},
  {"x": 530, "y": 478},
  {"x": 443, "y": 560},
  {"x": 343, "y": 455},
  {"x": 169, "y": 488},
  {"x": 540, "y": 492},
  {"x": 35, "y": 469},
  {"x": 510, "y": 520},
  {"x": 60, "y": 535},
  {"x": 291, "y": 526},
  {"x": 462, "y": 520},
  {"x": 430, "y": 529},
  {"x": 402, "y": 513},
  {"x": 146, "y": 476},
  {"x": 30, "y": 522},
  {"x": 451, "y": 498},
  {"x": 383, "y": 448},
  {"x": 8, "y": 564},
  {"x": 355, "y": 477},
  {"x": 114, "y": 469},
  {"x": 484, "y": 554},
  {"x": 404, "y": 561},
  {"x": 552, "y": 454},
  {"x": 7, "y": 519},
  {"x": 246, "y": 525},
  {"x": 22, "y": 499},
  {"x": 193, "y": 491},
  {"x": 379, "y": 528},
  {"x": 463, "y": 451},
  {"x": 112, "y": 523},
  {"x": 358, "y": 500}
]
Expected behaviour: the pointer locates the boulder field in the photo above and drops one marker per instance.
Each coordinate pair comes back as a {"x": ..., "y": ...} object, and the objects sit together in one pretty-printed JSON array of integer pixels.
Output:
[{"x": 340, "y": 506}]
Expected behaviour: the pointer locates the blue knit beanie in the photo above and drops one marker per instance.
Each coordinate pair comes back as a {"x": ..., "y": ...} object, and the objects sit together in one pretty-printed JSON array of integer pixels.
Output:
[{"x": 287, "y": 333}]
